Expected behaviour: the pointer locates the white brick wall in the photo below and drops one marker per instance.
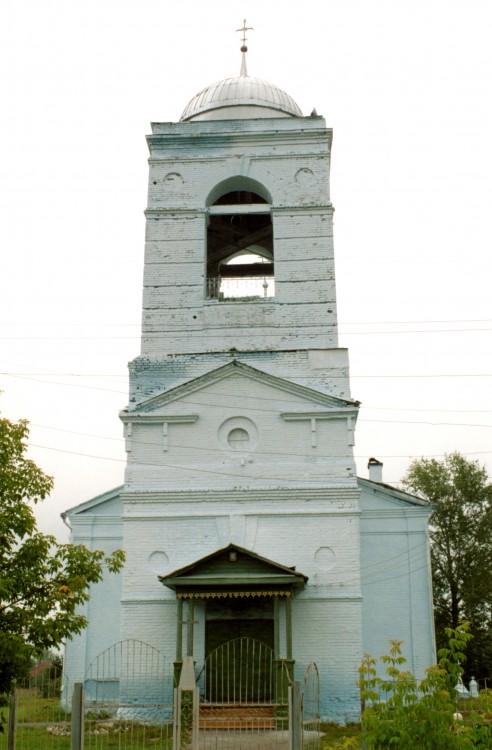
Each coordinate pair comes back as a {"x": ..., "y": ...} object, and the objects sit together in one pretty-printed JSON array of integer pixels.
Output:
[
  {"x": 291, "y": 495},
  {"x": 270, "y": 155},
  {"x": 335, "y": 619},
  {"x": 396, "y": 579}
]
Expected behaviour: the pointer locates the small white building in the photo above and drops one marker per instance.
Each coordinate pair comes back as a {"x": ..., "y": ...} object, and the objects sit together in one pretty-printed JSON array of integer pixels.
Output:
[{"x": 241, "y": 514}]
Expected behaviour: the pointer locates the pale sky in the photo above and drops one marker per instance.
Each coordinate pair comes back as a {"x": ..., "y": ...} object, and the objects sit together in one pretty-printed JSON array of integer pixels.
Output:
[{"x": 406, "y": 85}]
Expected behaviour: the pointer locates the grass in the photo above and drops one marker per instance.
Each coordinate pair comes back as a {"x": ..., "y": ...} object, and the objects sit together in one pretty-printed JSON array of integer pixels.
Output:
[
  {"x": 39, "y": 718},
  {"x": 34, "y": 707},
  {"x": 43, "y": 724},
  {"x": 101, "y": 735},
  {"x": 334, "y": 733}
]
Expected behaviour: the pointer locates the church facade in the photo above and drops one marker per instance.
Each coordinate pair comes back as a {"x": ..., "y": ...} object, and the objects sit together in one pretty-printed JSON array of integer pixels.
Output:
[{"x": 241, "y": 514}]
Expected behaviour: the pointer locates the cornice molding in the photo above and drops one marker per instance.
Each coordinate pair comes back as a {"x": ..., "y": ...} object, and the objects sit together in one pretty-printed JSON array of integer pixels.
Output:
[
  {"x": 339, "y": 493},
  {"x": 159, "y": 418}
]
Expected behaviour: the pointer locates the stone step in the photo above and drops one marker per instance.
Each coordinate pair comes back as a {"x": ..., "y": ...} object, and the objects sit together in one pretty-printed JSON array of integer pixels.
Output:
[
  {"x": 227, "y": 725},
  {"x": 242, "y": 716}
]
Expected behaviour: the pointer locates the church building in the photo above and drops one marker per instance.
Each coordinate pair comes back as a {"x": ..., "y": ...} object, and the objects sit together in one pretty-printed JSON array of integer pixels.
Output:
[{"x": 241, "y": 513}]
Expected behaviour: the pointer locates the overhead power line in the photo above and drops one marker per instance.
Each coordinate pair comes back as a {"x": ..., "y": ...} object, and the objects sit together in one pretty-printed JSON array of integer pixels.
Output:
[
  {"x": 98, "y": 324},
  {"x": 189, "y": 446},
  {"x": 68, "y": 385},
  {"x": 238, "y": 334},
  {"x": 225, "y": 473},
  {"x": 332, "y": 377}
]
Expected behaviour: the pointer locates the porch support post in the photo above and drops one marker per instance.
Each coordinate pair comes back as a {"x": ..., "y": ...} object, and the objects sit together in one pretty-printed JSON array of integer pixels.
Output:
[
  {"x": 179, "y": 631},
  {"x": 288, "y": 626},
  {"x": 189, "y": 628},
  {"x": 178, "y": 664},
  {"x": 284, "y": 665},
  {"x": 276, "y": 626}
]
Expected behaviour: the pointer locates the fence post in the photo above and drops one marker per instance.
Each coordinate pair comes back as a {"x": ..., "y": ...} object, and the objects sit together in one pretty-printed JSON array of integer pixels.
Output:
[
  {"x": 78, "y": 712},
  {"x": 186, "y": 698},
  {"x": 12, "y": 723},
  {"x": 295, "y": 716}
]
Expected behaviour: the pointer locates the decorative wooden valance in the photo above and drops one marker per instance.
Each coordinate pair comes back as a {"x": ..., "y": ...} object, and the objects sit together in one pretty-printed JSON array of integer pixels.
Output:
[{"x": 230, "y": 594}]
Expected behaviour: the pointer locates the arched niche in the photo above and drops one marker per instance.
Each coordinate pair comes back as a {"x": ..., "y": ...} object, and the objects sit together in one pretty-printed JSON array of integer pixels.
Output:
[
  {"x": 238, "y": 183},
  {"x": 240, "y": 252}
]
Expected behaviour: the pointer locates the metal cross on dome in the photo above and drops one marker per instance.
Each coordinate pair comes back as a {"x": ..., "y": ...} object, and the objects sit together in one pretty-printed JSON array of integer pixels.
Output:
[{"x": 244, "y": 29}]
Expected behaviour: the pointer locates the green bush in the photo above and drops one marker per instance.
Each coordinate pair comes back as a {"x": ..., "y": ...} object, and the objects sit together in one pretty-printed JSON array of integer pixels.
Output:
[{"x": 401, "y": 712}]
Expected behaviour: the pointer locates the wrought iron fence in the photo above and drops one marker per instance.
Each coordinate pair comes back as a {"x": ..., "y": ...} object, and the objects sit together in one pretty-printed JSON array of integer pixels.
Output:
[
  {"x": 126, "y": 700},
  {"x": 129, "y": 697},
  {"x": 36, "y": 718},
  {"x": 245, "y": 698}
]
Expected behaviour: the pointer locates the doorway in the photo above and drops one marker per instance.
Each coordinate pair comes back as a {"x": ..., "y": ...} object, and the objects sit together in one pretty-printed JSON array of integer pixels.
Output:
[{"x": 239, "y": 639}]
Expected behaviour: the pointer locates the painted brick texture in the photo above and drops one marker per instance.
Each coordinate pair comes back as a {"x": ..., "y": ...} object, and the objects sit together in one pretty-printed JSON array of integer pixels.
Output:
[
  {"x": 239, "y": 430},
  {"x": 291, "y": 166}
]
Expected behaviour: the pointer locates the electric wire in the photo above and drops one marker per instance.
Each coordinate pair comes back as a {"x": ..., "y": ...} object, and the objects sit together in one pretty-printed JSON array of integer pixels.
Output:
[
  {"x": 238, "y": 334},
  {"x": 137, "y": 442},
  {"x": 315, "y": 483},
  {"x": 57, "y": 323}
]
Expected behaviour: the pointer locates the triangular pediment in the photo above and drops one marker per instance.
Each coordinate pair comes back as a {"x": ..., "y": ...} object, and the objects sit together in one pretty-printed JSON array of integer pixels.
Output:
[
  {"x": 233, "y": 571},
  {"x": 109, "y": 502},
  {"x": 376, "y": 495},
  {"x": 238, "y": 370}
]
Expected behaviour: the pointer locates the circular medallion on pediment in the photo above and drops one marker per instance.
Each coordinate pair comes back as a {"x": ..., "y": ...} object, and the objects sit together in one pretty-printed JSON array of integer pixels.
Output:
[{"x": 238, "y": 435}]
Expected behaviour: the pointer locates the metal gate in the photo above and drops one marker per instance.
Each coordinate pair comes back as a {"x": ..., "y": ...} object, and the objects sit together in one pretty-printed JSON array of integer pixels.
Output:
[
  {"x": 243, "y": 694},
  {"x": 128, "y": 697}
]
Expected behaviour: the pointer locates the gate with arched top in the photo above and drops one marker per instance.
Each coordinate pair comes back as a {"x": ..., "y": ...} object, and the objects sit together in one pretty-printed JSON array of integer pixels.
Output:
[
  {"x": 243, "y": 685},
  {"x": 310, "y": 709},
  {"x": 128, "y": 696}
]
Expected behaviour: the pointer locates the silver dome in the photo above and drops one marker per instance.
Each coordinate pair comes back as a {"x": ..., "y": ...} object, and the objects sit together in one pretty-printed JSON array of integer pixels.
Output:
[{"x": 242, "y": 92}]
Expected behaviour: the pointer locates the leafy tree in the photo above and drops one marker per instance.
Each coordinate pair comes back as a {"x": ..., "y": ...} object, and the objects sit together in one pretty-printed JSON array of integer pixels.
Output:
[
  {"x": 42, "y": 583},
  {"x": 461, "y": 549}
]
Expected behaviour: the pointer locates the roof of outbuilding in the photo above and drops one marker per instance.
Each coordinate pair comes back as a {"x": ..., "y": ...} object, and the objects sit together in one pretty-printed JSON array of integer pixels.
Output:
[{"x": 388, "y": 489}]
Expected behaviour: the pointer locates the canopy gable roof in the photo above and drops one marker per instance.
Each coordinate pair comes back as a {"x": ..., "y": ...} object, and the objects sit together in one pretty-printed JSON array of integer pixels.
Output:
[{"x": 234, "y": 571}]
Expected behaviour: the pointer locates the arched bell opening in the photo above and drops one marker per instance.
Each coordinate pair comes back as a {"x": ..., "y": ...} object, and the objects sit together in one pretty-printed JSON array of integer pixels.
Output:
[{"x": 240, "y": 257}]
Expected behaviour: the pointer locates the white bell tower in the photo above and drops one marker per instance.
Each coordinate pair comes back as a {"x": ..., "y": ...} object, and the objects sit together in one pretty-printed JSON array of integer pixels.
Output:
[
  {"x": 241, "y": 514},
  {"x": 239, "y": 242},
  {"x": 240, "y": 426}
]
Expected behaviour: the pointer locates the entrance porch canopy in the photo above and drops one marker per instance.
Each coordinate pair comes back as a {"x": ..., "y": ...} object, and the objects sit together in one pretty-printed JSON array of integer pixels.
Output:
[
  {"x": 233, "y": 572},
  {"x": 229, "y": 573}
]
